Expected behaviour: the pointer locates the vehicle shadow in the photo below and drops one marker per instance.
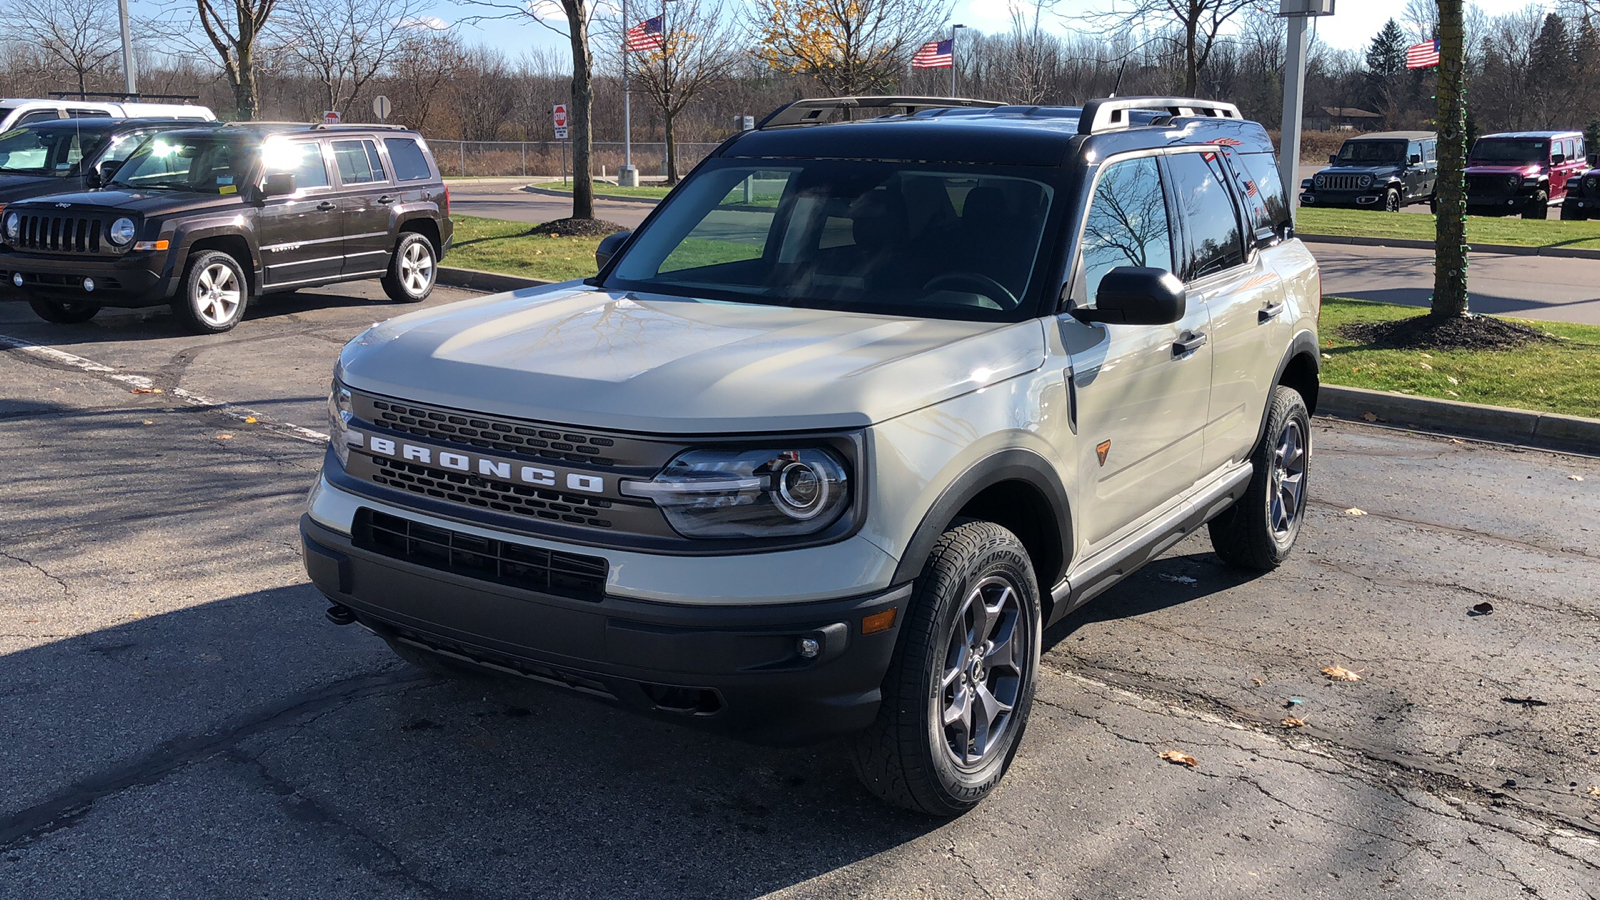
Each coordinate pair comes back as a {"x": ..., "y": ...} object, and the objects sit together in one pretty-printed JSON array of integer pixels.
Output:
[
  {"x": 117, "y": 324},
  {"x": 1159, "y": 585}
]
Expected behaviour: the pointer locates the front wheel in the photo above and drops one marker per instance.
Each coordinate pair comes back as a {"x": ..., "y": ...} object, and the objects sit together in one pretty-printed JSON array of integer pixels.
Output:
[
  {"x": 960, "y": 686},
  {"x": 63, "y": 312},
  {"x": 1258, "y": 531},
  {"x": 214, "y": 293},
  {"x": 1572, "y": 214},
  {"x": 1391, "y": 200},
  {"x": 412, "y": 270},
  {"x": 1538, "y": 207}
]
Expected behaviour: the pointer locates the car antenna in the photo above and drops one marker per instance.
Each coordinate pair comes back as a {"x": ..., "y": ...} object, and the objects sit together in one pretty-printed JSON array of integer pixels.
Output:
[{"x": 1120, "y": 66}]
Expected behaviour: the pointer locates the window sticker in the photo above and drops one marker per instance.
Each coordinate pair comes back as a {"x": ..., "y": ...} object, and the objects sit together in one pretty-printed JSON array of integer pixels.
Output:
[{"x": 227, "y": 189}]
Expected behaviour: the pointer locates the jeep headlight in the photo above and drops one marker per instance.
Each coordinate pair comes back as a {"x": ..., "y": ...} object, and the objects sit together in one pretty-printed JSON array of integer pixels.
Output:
[
  {"x": 121, "y": 231},
  {"x": 766, "y": 492},
  {"x": 13, "y": 226},
  {"x": 1365, "y": 181},
  {"x": 1513, "y": 181},
  {"x": 339, "y": 416},
  {"x": 1320, "y": 181}
]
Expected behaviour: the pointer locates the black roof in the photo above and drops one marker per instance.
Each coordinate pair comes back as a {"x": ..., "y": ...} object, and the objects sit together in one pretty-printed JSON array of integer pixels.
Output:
[
  {"x": 1395, "y": 136},
  {"x": 1004, "y": 135},
  {"x": 1532, "y": 135}
]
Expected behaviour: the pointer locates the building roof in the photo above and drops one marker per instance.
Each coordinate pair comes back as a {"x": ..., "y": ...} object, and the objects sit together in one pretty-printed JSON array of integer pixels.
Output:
[{"x": 1349, "y": 112}]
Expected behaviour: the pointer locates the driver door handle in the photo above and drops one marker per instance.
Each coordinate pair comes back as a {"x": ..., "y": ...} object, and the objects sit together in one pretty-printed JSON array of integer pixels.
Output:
[
  {"x": 1188, "y": 345},
  {"x": 1268, "y": 313},
  {"x": 386, "y": 199},
  {"x": 326, "y": 205}
]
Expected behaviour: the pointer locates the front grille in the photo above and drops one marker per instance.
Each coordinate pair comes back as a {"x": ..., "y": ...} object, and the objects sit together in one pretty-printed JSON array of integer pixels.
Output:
[
  {"x": 504, "y": 435},
  {"x": 486, "y": 559},
  {"x": 49, "y": 233},
  {"x": 486, "y": 493},
  {"x": 1492, "y": 185},
  {"x": 1339, "y": 182}
]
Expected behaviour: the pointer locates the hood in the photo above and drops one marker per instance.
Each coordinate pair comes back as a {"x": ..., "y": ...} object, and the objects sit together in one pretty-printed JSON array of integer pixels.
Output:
[
  {"x": 18, "y": 187},
  {"x": 1375, "y": 169},
  {"x": 1504, "y": 169},
  {"x": 143, "y": 202},
  {"x": 581, "y": 356}
]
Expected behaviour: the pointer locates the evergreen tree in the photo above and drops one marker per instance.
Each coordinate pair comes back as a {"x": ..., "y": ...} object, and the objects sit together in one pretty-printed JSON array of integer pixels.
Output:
[{"x": 1386, "y": 56}]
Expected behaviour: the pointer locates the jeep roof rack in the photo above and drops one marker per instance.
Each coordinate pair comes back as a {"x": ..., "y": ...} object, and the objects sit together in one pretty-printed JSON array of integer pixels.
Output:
[
  {"x": 821, "y": 110},
  {"x": 1111, "y": 112}
]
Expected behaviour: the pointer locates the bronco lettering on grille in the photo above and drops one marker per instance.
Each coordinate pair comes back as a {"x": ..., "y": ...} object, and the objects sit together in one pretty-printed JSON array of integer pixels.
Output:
[{"x": 472, "y": 463}]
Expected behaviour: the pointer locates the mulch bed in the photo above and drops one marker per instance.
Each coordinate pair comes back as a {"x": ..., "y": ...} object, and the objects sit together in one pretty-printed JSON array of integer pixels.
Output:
[
  {"x": 1456, "y": 333},
  {"x": 577, "y": 228}
]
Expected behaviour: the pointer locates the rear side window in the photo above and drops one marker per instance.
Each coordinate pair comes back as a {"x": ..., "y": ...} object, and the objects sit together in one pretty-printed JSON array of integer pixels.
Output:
[
  {"x": 410, "y": 163},
  {"x": 358, "y": 162},
  {"x": 1206, "y": 205},
  {"x": 1126, "y": 224}
]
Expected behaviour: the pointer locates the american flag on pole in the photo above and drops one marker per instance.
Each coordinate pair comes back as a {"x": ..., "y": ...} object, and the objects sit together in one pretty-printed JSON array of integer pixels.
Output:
[
  {"x": 934, "y": 55},
  {"x": 645, "y": 36},
  {"x": 1423, "y": 55}
]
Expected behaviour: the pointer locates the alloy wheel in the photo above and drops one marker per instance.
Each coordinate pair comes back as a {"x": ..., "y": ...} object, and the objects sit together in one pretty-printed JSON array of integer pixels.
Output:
[
  {"x": 1287, "y": 488},
  {"x": 217, "y": 295},
  {"x": 982, "y": 677},
  {"x": 416, "y": 267}
]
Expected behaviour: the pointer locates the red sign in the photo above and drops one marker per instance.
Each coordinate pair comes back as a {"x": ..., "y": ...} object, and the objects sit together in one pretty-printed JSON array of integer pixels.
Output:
[
  {"x": 560, "y": 115},
  {"x": 330, "y": 117}
]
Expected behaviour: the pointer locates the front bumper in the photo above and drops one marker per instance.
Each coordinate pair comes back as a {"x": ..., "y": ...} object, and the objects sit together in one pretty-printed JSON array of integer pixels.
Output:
[
  {"x": 1343, "y": 199},
  {"x": 133, "y": 279},
  {"x": 723, "y": 665}
]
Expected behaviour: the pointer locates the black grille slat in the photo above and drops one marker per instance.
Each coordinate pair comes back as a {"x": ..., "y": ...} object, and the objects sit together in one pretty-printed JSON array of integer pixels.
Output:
[
  {"x": 503, "y": 436},
  {"x": 62, "y": 234},
  {"x": 486, "y": 559},
  {"x": 488, "y": 493}
]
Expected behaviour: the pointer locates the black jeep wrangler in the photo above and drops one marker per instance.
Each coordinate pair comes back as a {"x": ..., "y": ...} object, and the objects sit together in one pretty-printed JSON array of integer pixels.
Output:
[
  {"x": 206, "y": 218},
  {"x": 1386, "y": 171}
]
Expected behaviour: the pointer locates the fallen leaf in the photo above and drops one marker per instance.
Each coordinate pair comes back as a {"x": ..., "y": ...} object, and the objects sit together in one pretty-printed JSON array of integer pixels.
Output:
[
  {"x": 1178, "y": 579},
  {"x": 148, "y": 422},
  {"x": 1453, "y": 394},
  {"x": 1525, "y": 702},
  {"x": 1327, "y": 356},
  {"x": 1452, "y": 379},
  {"x": 1426, "y": 366},
  {"x": 1340, "y": 673},
  {"x": 1178, "y": 757},
  {"x": 1355, "y": 511},
  {"x": 1594, "y": 791},
  {"x": 1292, "y": 722},
  {"x": 146, "y": 390},
  {"x": 1259, "y": 682},
  {"x": 249, "y": 420},
  {"x": 1370, "y": 417},
  {"x": 1575, "y": 477},
  {"x": 1481, "y": 609},
  {"x": 224, "y": 437},
  {"x": 1455, "y": 440}
]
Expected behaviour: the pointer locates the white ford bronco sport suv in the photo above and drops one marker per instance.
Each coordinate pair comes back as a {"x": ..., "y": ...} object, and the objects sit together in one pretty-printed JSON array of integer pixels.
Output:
[{"x": 884, "y": 389}]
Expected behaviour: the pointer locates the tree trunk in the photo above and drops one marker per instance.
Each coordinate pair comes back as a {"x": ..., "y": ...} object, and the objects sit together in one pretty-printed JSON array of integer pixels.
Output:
[
  {"x": 1191, "y": 70},
  {"x": 1450, "y": 253},
  {"x": 244, "y": 88},
  {"x": 672, "y": 150},
  {"x": 579, "y": 118}
]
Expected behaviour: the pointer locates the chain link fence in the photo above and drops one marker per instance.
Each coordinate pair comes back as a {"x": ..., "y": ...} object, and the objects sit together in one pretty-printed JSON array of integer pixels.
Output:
[{"x": 554, "y": 158}]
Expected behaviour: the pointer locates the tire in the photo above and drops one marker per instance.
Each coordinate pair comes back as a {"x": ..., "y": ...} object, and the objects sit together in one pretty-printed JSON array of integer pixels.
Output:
[
  {"x": 412, "y": 269},
  {"x": 1391, "y": 200},
  {"x": 1538, "y": 207},
  {"x": 1572, "y": 214},
  {"x": 64, "y": 312},
  {"x": 214, "y": 293},
  {"x": 1258, "y": 531},
  {"x": 908, "y": 756},
  {"x": 1433, "y": 205}
]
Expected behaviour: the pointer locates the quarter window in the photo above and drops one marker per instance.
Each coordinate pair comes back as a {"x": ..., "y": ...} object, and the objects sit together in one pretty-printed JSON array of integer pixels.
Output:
[
  {"x": 358, "y": 162},
  {"x": 1127, "y": 223},
  {"x": 1206, "y": 204},
  {"x": 410, "y": 164}
]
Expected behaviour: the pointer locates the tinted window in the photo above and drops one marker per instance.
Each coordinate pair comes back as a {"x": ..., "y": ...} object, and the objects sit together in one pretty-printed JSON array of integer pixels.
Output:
[
  {"x": 1126, "y": 224},
  {"x": 88, "y": 114},
  {"x": 302, "y": 159},
  {"x": 45, "y": 152},
  {"x": 1367, "y": 152},
  {"x": 1264, "y": 207},
  {"x": 1429, "y": 148},
  {"x": 39, "y": 115},
  {"x": 410, "y": 164},
  {"x": 358, "y": 162},
  {"x": 212, "y": 164},
  {"x": 1502, "y": 151},
  {"x": 1207, "y": 208}
]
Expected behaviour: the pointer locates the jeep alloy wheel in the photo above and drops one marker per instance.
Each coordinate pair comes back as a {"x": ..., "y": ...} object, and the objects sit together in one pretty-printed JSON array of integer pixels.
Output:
[
  {"x": 411, "y": 271},
  {"x": 214, "y": 292},
  {"x": 1391, "y": 200}
]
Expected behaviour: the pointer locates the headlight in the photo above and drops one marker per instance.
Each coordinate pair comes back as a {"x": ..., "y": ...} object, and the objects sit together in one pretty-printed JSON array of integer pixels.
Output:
[
  {"x": 769, "y": 492},
  {"x": 1365, "y": 181},
  {"x": 339, "y": 416},
  {"x": 13, "y": 226},
  {"x": 121, "y": 231},
  {"x": 1320, "y": 181},
  {"x": 1513, "y": 181}
]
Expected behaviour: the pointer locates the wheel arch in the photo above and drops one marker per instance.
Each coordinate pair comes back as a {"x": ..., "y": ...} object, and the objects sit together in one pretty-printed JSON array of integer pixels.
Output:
[
  {"x": 232, "y": 244},
  {"x": 426, "y": 227},
  {"x": 1300, "y": 369}
]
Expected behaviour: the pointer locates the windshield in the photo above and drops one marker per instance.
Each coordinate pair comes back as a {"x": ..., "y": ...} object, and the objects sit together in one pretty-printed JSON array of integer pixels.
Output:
[
  {"x": 208, "y": 164},
  {"x": 56, "y": 152},
  {"x": 1373, "y": 152},
  {"x": 849, "y": 235},
  {"x": 1501, "y": 152}
]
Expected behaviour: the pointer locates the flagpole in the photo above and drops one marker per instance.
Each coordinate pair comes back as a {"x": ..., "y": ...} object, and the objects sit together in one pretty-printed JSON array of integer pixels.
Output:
[
  {"x": 628, "y": 176},
  {"x": 953, "y": 28}
]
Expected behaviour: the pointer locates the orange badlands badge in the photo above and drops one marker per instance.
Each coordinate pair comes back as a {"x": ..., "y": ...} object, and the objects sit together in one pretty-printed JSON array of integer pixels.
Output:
[{"x": 1101, "y": 449}]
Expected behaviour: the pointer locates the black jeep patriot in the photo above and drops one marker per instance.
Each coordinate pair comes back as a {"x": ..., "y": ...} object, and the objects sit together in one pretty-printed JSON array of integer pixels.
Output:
[{"x": 206, "y": 218}]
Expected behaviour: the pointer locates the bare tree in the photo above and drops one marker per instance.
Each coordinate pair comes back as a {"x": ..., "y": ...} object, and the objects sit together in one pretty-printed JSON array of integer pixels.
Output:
[
  {"x": 1450, "y": 260},
  {"x": 80, "y": 35},
  {"x": 344, "y": 44},
  {"x": 848, "y": 46},
  {"x": 699, "y": 49},
  {"x": 1031, "y": 53},
  {"x": 1198, "y": 26},
  {"x": 424, "y": 62},
  {"x": 232, "y": 29}
]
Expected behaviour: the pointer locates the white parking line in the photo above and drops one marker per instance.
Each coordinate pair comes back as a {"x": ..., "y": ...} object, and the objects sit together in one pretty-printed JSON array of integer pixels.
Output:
[{"x": 141, "y": 383}]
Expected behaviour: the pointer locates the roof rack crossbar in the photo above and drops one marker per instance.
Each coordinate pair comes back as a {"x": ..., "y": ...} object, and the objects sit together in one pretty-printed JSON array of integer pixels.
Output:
[
  {"x": 1111, "y": 113},
  {"x": 821, "y": 110}
]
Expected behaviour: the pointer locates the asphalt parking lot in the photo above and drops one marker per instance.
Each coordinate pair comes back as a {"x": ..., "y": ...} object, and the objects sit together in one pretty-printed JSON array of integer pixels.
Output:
[{"x": 179, "y": 719}]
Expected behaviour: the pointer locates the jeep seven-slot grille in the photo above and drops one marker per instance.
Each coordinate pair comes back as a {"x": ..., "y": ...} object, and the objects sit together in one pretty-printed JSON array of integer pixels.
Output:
[
  {"x": 1492, "y": 185},
  {"x": 487, "y": 493},
  {"x": 486, "y": 559},
  {"x": 491, "y": 433},
  {"x": 61, "y": 233},
  {"x": 1338, "y": 182}
]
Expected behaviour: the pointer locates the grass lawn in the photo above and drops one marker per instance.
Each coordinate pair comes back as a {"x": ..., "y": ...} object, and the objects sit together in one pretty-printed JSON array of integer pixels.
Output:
[
  {"x": 1480, "y": 229},
  {"x": 494, "y": 245},
  {"x": 1561, "y": 377},
  {"x": 654, "y": 192}
]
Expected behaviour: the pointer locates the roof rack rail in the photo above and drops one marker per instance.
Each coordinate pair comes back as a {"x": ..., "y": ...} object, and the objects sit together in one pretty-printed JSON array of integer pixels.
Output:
[
  {"x": 324, "y": 126},
  {"x": 1111, "y": 112},
  {"x": 821, "y": 110}
]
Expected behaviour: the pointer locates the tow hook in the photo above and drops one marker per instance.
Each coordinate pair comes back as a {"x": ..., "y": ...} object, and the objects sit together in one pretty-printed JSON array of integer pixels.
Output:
[{"x": 340, "y": 614}]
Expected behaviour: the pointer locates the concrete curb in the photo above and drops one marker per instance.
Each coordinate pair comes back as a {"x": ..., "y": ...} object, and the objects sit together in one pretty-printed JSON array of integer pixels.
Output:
[
  {"x": 1550, "y": 431},
  {"x": 531, "y": 189},
  {"x": 478, "y": 280},
  {"x": 1408, "y": 244}
]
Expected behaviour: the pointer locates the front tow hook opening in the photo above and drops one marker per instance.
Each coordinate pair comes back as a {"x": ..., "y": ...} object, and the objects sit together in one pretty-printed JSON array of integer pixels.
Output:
[{"x": 339, "y": 614}]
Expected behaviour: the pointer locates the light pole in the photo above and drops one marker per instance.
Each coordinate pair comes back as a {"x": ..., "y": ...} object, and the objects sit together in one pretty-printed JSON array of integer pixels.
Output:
[
  {"x": 628, "y": 176},
  {"x": 130, "y": 77},
  {"x": 1294, "y": 90},
  {"x": 953, "y": 28}
]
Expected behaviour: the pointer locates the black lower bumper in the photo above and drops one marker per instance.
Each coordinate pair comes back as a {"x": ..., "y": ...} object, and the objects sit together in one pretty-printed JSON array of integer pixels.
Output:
[
  {"x": 134, "y": 279},
  {"x": 1343, "y": 199},
  {"x": 735, "y": 669}
]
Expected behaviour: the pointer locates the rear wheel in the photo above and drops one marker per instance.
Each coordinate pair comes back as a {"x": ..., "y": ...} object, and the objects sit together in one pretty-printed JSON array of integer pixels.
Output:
[
  {"x": 64, "y": 312},
  {"x": 1538, "y": 207},
  {"x": 412, "y": 270},
  {"x": 1258, "y": 531},
  {"x": 214, "y": 293},
  {"x": 960, "y": 686}
]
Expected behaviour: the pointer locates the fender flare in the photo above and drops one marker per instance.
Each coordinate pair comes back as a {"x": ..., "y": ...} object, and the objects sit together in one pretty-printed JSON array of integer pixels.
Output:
[
  {"x": 1012, "y": 464},
  {"x": 1304, "y": 344}
]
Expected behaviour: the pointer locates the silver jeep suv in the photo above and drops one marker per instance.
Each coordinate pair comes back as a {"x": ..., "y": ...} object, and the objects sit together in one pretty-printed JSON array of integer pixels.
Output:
[{"x": 886, "y": 387}]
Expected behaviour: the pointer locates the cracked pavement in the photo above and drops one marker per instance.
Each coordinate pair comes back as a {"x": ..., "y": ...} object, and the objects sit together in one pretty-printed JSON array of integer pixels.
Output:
[{"x": 179, "y": 720}]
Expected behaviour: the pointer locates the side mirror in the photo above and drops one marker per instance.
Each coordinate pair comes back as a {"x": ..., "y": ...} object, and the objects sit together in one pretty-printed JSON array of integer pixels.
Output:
[
  {"x": 1137, "y": 295},
  {"x": 101, "y": 175},
  {"x": 1333, "y": 159},
  {"x": 278, "y": 184},
  {"x": 1416, "y": 159},
  {"x": 609, "y": 247}
]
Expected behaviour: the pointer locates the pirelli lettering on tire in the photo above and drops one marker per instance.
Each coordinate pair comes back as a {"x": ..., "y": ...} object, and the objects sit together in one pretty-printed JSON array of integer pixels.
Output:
[{"x": 513, "y": 471}]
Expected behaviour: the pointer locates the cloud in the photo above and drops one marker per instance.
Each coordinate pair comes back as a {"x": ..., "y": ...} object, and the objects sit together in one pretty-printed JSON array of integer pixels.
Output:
[{"x": 425, "y": 23}]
